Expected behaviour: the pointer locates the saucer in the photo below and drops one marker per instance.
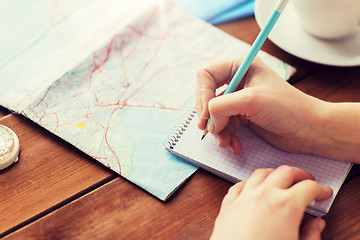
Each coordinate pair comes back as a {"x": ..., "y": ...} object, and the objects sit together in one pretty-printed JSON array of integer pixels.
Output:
[{"x": 291, "y": 37}]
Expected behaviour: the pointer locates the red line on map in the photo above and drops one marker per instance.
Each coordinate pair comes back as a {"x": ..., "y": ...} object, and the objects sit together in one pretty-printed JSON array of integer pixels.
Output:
[{"x": 99, "y": 59}]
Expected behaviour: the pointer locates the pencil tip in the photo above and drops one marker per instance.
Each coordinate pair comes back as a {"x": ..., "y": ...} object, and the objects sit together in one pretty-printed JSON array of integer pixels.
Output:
[{"x": 202, "y": 137}]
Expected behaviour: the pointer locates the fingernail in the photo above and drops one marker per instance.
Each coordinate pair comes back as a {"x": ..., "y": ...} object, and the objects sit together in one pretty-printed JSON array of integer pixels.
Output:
[
  {"x": 321, "y": 224},
  {"x": 211, "y": 127}
]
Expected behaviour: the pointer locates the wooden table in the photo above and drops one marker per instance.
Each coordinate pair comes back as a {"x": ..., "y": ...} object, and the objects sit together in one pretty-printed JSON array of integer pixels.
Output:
[{"x": 57, "y": 192}]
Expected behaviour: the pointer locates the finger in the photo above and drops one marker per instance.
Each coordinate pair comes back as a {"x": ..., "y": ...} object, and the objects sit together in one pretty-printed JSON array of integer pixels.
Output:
[
  {"x": 201, "y": 119},
  {"x": 234, "y": 191},
  {"x": 223, "y": 107},
  {"x": 210, "y": 78},
  {"x": 220, "y": 71},
  {"x": 205, "y": 90},
  {"x": 224, "y": 139},
  {"x": 257, "y": 177},
  {"x": 236, "y": 146},
  {"x": 236, "y": 121},
  {"x": 232, "y": 127},
  {"x": 308, "y": 190},
  {"x": 285, "y": 176},
  {"x": 312, "y": 229}
]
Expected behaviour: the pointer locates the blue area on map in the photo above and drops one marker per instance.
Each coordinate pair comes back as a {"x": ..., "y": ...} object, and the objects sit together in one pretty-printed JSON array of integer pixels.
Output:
[{"x": 154, "y": 168}]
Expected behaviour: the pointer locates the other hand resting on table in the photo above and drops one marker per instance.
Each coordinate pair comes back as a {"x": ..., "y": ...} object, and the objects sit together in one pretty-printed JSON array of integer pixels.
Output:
[{"x": 270, "y": 205}]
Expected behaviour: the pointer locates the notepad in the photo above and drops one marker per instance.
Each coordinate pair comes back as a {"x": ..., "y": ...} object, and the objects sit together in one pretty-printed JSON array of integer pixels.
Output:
[{"x": 185, "y": 143}]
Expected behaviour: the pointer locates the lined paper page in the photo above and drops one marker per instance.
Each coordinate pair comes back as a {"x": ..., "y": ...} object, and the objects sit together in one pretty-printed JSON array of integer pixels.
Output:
[{"x": 256, "y": 154}]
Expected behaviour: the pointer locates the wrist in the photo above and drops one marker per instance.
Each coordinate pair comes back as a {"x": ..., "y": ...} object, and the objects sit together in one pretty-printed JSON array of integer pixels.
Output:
[{"x": 336, "y": 131}]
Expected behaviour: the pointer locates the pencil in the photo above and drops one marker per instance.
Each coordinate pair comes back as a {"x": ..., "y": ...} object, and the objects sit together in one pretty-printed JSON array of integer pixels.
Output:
[{"x": 255, "y": 48}]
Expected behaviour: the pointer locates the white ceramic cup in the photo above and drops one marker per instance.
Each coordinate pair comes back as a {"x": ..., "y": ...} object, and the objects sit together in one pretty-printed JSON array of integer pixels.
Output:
[{"x": 329, "y": 19}]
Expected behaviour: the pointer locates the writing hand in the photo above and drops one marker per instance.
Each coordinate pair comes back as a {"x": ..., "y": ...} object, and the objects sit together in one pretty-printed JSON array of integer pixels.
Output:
[{"x": 278, "y": 112}]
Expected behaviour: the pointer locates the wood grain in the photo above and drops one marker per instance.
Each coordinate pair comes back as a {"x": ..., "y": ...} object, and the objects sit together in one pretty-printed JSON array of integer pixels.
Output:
[
  {"x": 334, "y": 84},
  {"x": 342, "y": 221},
  {"x": 49, "y": 172},
  {"x": 120, "y": 210}
]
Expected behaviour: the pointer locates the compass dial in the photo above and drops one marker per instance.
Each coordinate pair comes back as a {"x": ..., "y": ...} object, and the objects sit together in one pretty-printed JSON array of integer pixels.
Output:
[{"x": 9, "y": 147}]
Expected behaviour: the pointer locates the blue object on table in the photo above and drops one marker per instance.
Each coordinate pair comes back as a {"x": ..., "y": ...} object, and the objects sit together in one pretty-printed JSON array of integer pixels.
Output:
[
  {"x": 218, "y": 11},
  {"x": 244, "y": 10}
]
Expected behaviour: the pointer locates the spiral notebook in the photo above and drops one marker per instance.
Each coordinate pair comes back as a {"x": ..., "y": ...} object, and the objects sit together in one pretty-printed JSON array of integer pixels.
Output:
[{"x": 186, "y": 143}]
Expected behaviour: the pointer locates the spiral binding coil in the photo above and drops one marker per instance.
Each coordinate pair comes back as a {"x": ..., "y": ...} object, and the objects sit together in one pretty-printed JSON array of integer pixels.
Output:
[{"x": 171, "y": 142}]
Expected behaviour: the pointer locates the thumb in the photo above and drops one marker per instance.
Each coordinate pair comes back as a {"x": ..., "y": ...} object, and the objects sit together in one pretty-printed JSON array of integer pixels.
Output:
[
  {"x": 312, "y": 230},
  {"x": 223, "y": 107}
]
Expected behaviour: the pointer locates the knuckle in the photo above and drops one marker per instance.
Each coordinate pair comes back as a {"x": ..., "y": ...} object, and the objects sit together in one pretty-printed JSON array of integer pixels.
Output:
[
  {"x": 238, "y": 185},
  {"x": 233, "y": 188},
  {"x": 285, "y": 168},
  {"x": 203, "y": 72},
  {"x": 288, "y": 169},
  {"x": 261, "y": 171},
  {"x": 213, "y": 107},
  {"x": 251, "y": 96},
  {"x": 200, "y": 72},
  {"x": 258, "y": 171},
  {"x": 310, "y": 184},
  {"x": 257, "y": 60}
]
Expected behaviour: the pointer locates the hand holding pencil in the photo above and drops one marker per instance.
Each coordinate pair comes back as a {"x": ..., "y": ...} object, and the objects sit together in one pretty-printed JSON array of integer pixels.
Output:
[
  {"x": 259, "y": 41},
  {"x": 265, "y": 102}
]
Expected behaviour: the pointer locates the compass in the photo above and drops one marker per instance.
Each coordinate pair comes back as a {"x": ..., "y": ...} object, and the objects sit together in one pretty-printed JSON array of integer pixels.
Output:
[{"x": 9, "y": 147}]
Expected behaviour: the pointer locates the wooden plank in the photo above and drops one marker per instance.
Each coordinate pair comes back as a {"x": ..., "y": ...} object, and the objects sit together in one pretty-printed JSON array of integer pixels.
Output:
[
  {"x": 344, "y": 216},
  {"x": 120, "y": 210},
  {"x": 333, "y": 84},
  {"x": 49, "y": 172}
]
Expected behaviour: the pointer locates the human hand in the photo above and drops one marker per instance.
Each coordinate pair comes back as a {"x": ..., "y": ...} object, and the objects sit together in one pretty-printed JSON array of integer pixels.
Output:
[
  {"x": 278, "y": 112},
  {"x": 270, "y": 205}
]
